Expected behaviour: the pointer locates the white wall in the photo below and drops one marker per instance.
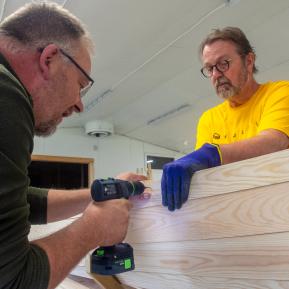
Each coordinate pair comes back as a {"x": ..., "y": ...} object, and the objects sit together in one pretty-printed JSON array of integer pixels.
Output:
[{"x": 112, "y": 154}]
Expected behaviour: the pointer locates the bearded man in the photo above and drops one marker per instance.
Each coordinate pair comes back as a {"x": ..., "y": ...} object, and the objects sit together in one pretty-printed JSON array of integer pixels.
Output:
[{"x": 252, "y": 121}]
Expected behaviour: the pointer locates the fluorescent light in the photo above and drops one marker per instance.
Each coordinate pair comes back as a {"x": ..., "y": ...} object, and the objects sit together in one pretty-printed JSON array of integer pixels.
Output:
[
  {"x": 169, "y": 113},
  {"x": 232, "y": 2}
]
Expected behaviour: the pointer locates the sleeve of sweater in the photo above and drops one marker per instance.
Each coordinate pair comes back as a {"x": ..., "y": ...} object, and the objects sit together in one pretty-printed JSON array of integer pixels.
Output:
[
  {"x": 37, "y": 199},
  {"x": 22, "y": 264}
]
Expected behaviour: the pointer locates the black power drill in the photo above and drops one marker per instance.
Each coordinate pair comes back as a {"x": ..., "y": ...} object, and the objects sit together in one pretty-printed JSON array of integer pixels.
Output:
[{"x": 115, "y": 259}]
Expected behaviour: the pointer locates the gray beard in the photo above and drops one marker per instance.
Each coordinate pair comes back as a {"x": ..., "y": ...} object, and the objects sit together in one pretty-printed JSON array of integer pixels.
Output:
[
  {"x": 45, "y": 129},
  {"x": 229, "y": 92}
]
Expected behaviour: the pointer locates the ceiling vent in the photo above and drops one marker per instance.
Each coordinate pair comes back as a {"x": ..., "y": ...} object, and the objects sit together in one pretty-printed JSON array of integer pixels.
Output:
[{"x": 98, "y": 128}]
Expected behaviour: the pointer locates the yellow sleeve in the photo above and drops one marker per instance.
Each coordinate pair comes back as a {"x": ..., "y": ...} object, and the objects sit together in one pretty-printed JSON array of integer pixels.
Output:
[
  {"x": 276, "y": 110},
  {"x": 203, "y": 130}
]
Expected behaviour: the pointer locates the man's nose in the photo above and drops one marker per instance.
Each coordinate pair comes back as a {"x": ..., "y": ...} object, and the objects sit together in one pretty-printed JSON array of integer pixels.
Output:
[
  {"x": 216, "y": 74},
  {"x": 78, "y": 107}
]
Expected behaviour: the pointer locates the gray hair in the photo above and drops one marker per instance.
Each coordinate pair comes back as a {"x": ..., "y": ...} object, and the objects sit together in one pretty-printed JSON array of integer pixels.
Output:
[
  {"x": 36, "y": 25},
  {"x": 233, "y": 34}
]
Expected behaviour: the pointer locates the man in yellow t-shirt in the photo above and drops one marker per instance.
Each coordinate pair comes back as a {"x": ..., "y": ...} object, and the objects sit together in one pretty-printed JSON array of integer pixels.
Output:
[
  {"x": 252, "y": 121},
  {"x": 268, "y": 108}
]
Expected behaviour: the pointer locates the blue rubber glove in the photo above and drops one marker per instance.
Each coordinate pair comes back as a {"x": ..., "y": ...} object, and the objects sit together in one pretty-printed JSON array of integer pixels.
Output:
[{"x": 177, "y": 175}]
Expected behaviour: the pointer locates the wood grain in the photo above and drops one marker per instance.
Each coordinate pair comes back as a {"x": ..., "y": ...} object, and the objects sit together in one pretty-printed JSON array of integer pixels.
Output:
[
  {"x": 108, "y": 282},
  {"x": 249, "y": 212},
  {"x": 254, "y": 257},
  {"x": 233, "y": 233},
  {"x": 168, "y": 281},
  {"x": 80, "y": 283},
  {"x": 252, "y": 173}
]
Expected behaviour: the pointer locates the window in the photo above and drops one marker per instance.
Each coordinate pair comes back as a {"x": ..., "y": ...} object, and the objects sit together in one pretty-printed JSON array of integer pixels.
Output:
[{"x": 158, "y": 162}]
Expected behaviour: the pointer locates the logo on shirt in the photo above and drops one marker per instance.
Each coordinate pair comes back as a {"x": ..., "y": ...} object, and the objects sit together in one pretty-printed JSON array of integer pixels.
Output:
[{"x": 216, "y": 136}]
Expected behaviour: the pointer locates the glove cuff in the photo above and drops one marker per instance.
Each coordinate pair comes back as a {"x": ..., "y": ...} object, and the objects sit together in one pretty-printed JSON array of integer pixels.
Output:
[
  {"x": 219, "y": 151},
  {"x": 213, "y": 150}
]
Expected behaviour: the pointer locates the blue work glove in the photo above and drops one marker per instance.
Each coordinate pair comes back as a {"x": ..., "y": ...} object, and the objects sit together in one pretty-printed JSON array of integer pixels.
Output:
[{"x": 177, "y": 175}]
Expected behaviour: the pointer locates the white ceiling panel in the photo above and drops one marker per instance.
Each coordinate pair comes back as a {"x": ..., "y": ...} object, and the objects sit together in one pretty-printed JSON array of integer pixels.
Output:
[{"x": 146, "y": 56}]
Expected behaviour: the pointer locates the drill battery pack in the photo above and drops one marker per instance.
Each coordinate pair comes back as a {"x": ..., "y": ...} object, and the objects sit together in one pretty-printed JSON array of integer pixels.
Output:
[{"x": 112, "y": 260}]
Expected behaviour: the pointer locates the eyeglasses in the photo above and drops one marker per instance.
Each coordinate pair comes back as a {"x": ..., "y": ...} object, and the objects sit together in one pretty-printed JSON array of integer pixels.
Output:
[
  {"x": 221, "y": 66},
  {"x": 85, "y": 89}
]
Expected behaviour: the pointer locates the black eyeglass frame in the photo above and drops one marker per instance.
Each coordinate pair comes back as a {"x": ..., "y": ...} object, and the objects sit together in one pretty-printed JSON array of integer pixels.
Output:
[
  {"x": 217, "y": 66},
  {"x": 83, "y": 90}
]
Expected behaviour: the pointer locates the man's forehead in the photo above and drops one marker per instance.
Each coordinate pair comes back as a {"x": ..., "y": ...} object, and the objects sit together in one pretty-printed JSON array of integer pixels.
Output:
[
  {"x": 218, "y": 50},
  {"x": 84, "y": 58}
]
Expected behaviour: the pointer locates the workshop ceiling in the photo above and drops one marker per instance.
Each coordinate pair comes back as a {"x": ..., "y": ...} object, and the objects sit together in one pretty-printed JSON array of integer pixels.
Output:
[{"x": 146, "y": 66}]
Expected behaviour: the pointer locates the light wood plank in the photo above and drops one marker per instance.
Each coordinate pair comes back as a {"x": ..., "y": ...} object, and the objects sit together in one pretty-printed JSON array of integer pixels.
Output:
[
  {"x": 167, "y": 281},
  {"x": 254, "y": 257},
  {"x": 233, "y": 233},
  {"x": 89, "y": 283},
  {"x": 108, "y": 282},
  {"x": 250, "y": 212},
  {"x": 68, "y": 283},
  {"x": 252, "y": 173}
]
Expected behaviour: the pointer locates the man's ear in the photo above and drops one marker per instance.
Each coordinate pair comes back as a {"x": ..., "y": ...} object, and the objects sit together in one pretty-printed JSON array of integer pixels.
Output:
[
  {"x": 47, "y": 59},
  {"x": 250, "y": 60}
]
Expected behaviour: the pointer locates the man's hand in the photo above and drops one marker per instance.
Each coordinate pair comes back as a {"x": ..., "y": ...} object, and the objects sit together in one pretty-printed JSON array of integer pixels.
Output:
[
  {"x": 176, "y": 178},
  {"x": 129, "y": 176},
  {"x": 107, "y": 221}
]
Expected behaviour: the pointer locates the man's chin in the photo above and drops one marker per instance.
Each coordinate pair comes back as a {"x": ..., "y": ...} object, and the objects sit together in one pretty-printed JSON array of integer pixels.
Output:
[
  {"x": 45, "y": 131},
  {"x": 226, "y": 94}
]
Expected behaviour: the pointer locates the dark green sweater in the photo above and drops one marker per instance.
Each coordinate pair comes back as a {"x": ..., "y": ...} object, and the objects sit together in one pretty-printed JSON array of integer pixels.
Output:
[{"x": 22, "y": 265}]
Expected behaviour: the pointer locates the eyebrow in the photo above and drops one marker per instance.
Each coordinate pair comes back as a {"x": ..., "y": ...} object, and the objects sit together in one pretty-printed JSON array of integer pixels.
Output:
[{"x": 221, "y": 58}]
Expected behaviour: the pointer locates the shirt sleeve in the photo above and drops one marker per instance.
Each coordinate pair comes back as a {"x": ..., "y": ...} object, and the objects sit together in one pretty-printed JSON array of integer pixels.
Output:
[
  {"x": 22, "y": 264},
  {"x": 37, "y": 198},
  {"x": 276, "y": 110},
  {"x": 203, "y": 130}
]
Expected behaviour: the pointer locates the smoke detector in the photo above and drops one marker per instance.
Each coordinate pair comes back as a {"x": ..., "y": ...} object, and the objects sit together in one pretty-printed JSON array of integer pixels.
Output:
[{"x": 98, "y": 128}]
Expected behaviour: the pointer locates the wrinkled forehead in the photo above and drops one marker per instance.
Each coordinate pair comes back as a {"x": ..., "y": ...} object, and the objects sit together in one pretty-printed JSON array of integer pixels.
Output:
[{"x": 218, "y": 50}]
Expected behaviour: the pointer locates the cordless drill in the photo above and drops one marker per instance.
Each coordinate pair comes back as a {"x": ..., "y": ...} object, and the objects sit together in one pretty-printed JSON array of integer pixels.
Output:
[{"x": 115, "y": 259}]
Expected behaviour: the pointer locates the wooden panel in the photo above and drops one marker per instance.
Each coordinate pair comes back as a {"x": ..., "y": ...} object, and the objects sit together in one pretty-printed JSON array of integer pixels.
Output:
[
  {"x": 107, "y": 282},
  {"x": 252, "y": 173},
  {"x": 167, "y": 281},
  {"x": 254, "y": 257},
  {"x": 233, "y": 233},
  {"x": 249, "y": 212},
  {"x": 81, "y": 283}
]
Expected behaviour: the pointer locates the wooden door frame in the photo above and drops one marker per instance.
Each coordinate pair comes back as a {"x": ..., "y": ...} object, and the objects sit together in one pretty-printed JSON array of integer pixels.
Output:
[{"x": 62, "y": 159}]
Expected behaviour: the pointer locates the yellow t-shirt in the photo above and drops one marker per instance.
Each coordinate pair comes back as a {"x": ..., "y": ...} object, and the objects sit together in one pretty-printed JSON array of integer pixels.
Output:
[{"x": 268, "y": 108}]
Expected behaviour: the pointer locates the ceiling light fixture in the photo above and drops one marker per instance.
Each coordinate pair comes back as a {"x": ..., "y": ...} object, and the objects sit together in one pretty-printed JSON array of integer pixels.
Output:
[
  {"x": 169, "y": 113},
  {"x": 96, "y": 100}
]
